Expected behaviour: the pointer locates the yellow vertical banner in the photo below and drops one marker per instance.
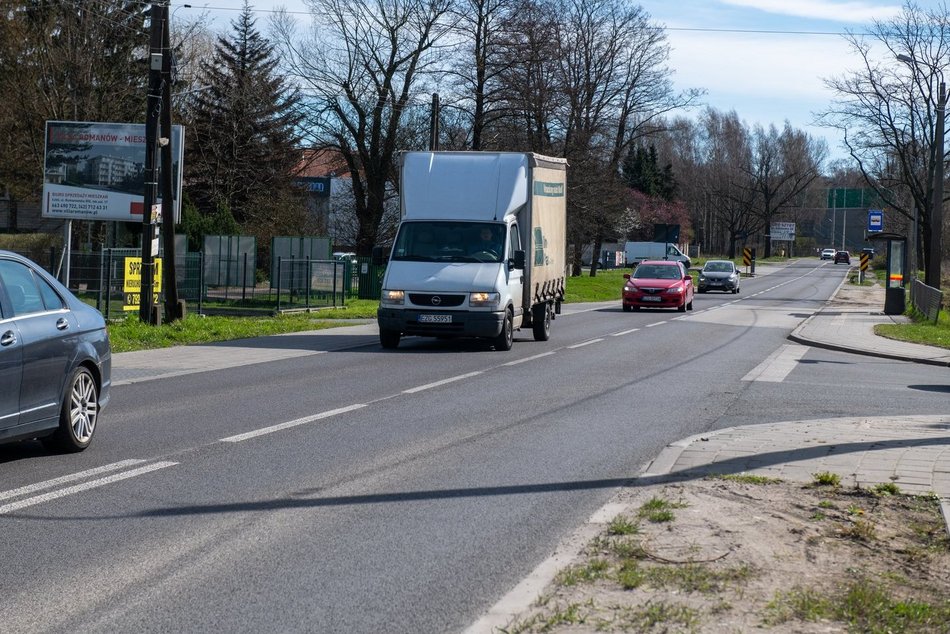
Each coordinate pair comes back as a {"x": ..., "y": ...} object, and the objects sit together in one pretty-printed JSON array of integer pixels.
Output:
[{"x": 132, "y": 281}]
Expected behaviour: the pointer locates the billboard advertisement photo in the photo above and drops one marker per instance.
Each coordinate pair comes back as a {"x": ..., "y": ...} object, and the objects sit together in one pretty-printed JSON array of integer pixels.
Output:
[{"x": 96, "y": 171}]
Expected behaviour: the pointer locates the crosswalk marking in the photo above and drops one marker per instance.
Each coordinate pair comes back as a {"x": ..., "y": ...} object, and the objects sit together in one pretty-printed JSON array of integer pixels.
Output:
[{"x": 778, "y": 365}]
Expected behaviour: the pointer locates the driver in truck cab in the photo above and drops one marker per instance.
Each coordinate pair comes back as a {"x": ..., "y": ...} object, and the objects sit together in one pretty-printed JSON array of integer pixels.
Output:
[{"x": 487, "y": 243}]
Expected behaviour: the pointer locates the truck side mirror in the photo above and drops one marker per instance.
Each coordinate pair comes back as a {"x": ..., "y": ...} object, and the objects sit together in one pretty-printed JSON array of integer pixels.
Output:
[
  {"x": 518, "y": 261},
  {"x": 379, "y": 256}
]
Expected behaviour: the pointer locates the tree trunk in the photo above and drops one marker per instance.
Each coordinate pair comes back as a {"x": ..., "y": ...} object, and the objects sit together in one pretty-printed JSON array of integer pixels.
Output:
[{"x": 595, "y": 256}]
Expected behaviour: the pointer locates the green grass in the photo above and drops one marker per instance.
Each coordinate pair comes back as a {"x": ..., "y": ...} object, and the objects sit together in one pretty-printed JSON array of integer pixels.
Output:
[
  {"x": 863, "y": 606},
  {"x": 744, "y": 478},
  {"x": 621, "y": 525},
  {"x": 826, "y": 479},
  {"x": 603, "y": 287},
  {"x": 130, "y": 334},
  {"x": 920, "y": 331},
  {"x": 586, "y": 573},
  {"x": 885, "y": 488},
  {"x": 658, "y": 510}
]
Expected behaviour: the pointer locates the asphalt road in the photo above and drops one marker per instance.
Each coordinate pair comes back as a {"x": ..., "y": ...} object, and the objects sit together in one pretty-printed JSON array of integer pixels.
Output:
[{"x": 365, "y": 490}]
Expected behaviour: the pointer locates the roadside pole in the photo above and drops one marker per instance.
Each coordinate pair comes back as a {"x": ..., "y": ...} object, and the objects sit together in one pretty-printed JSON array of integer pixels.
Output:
[
  {"x": 152, "y": 108},
  {"x": 174, "y": 309}
]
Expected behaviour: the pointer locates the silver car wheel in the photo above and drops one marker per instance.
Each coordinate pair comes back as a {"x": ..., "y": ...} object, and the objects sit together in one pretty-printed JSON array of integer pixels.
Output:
[{"x": 83, "y": 406}]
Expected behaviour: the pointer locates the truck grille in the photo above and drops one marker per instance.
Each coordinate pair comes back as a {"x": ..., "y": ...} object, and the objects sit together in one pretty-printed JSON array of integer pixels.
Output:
[{"x": 436, "y": 300}]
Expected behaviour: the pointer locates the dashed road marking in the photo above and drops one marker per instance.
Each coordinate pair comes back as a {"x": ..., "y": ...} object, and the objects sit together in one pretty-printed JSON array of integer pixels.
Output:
[
  {"x": 292, "y": 423},
  {"x": 429, "y": 386},
  {"x": 583, "y": 343}
]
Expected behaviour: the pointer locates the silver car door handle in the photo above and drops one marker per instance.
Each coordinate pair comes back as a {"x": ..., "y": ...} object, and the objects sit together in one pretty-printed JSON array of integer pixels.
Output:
[
  {"x": 7, "y": 338},
  {"x": 62, "y": 324}
]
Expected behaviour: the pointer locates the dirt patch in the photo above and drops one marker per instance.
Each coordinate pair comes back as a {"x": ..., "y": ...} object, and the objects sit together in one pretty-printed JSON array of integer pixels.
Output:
[{"x": 751, "y": 555}]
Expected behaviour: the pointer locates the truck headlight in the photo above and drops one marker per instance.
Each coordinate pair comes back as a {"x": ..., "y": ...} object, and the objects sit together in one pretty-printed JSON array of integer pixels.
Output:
[
  {"x": 392, "y": 297},
  {"x": 484, "y": 299}
]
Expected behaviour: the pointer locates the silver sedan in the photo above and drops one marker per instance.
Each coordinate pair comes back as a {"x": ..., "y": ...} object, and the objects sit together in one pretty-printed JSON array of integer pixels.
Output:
[
  {"x": 55, "y": 359},
  {"x": 719, "y": 275}
]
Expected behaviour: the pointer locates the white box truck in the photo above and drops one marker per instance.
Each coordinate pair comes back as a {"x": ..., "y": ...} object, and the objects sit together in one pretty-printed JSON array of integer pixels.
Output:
[
  {"x": 637, "y": 252},
  {"x": 480, "y": 250}
]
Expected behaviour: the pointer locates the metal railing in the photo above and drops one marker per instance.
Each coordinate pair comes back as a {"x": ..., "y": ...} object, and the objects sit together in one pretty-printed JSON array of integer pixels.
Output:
[
  {"x": 98, "y": 278},
  {"x": 926, "y": 299}
]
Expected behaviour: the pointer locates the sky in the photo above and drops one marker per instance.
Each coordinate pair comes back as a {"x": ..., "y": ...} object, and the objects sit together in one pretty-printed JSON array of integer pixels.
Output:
[{"x": 765, "y": 59}]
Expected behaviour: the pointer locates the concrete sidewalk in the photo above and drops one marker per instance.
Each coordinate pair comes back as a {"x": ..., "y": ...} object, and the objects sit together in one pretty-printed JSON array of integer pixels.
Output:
[{"x": 847, "y": 323}]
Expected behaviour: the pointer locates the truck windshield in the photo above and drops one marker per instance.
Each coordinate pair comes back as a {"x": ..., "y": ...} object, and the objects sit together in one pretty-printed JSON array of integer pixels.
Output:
[{"x": 443, "y": 241}]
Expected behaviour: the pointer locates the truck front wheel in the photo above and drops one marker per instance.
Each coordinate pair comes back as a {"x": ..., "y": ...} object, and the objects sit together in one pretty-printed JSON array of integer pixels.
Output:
[
  {"x": 541, "y": 321},
  {"x": 389, "y": 339},
  {"x": 507, "y": 335}
]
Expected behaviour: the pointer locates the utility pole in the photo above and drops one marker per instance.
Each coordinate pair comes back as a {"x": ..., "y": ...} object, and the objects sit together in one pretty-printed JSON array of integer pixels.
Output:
[
  {"x": 434, "y": 123},
  {"x": 936, "y": 213},
  {"x": 152, "y": 109},
  {"x": 174, "y": 309}
]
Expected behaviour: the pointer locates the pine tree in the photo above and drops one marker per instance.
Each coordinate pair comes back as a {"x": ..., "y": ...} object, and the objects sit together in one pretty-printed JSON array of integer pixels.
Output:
[
  {"x": 242, "y": 139},
  {"x": 641, "y": 172}
]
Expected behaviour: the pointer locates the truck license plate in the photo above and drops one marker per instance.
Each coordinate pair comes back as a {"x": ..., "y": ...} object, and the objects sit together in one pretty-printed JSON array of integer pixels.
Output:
[{"x": 435, "y": 319}]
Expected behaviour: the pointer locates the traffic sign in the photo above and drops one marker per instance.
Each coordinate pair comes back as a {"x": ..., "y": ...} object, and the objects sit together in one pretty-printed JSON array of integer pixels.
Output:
[{"x": 875, "y": 220}]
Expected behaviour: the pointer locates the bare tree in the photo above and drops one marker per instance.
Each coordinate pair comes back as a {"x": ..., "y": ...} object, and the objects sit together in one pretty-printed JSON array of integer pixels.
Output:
[
  {"x": 362, "y": 68},
  {"x": 613, "y": 73},
  {"x": 530, "y": 83},
  {"x": 783, "y": 166},
  {"x": 481, "y": 24},
  {"x": 886, "y": 110}
]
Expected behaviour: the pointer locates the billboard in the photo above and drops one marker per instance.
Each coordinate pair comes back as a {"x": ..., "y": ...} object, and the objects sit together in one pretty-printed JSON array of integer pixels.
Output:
[
  {"x": 782, "y": 231},
  {"x": 96, "y": 171}
]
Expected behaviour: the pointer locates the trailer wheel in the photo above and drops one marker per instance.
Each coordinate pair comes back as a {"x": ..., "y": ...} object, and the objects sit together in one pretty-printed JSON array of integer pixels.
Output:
[
  {"x": 507, "y": 335},
  {"x": 541, "y": 321},
  {"x": 389, "y": 339}
]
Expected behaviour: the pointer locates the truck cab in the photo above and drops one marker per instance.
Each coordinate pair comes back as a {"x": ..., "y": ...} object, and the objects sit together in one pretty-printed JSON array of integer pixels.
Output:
[{"x": 456, "y": 278}]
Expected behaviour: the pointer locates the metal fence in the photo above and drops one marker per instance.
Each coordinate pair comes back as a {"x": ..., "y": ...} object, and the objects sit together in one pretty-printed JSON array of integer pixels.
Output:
[
  {"x": 926, "y": 299},
  {"x": 302, "y": 284},
  {"x": 99, "y": 278}
]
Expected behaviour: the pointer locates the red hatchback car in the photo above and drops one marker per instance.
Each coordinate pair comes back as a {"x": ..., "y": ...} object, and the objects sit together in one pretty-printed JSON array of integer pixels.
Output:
[{"x": 658, "y": 284}]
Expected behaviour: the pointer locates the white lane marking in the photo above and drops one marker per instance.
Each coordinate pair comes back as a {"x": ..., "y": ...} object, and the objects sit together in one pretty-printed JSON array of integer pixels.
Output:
[
  {"x": 526, "y": 359},
  {"x": 656, "y": 324},
  {"x": 85, "y": 486},
  {"x": 778, "y": 365},
  {"x": 72, "y": 477},
  {"x": 429, "y": 386},
  {"x": 292, "y": 423},
  {"x": 583, "y": 343},
  {"x": 624, "y": 332}
]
